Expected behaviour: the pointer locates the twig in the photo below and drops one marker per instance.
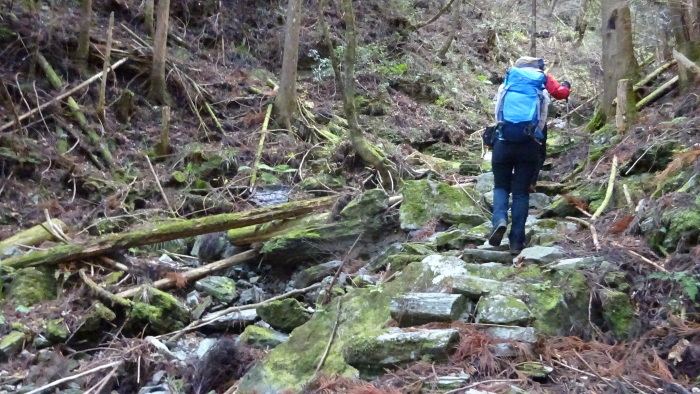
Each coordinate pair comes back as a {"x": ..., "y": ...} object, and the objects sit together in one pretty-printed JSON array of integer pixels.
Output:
[
  {"x": 6, "y": 182},
  {"x": 628, "y": 197},
  {"x": 606, "y": 380},
  {"x": 102, "y": 383},
  {"x": 339, "y": 270},
  {"x": 260, "y": 147},
  {"x": 609, "y": 192},
  {"x": 644, "y": 259},
  {"x": 159, "y": 186},
  {"x": 213, "y": 317},
  {"x": 61, "y": 96},
  {"x": 591, "y": 227},
  {"x": 69, "y": 378},
  {"x": 114, "y": 264},
  {"x": 102, "y": 293},
  {"x": 330, "y": 342}
]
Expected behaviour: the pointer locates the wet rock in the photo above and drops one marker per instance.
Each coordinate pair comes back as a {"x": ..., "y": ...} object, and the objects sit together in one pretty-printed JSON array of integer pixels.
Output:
[
  {"x": 534, "y": 369},
  {"x": 158, "y": 310},
  {"x": 284, "y": 315},
  {"x": 205, "y": 346},
  {"x": 539, "y": 200},
  {"x": 485, "y": 182},
  {"x": 11, "y": 344},
  {"x": 425, "y": 200},
  {"x": 618, "y": 312},
  {"x": 56, "y": 331},
  {"x": 31, "y": 285},
  {"x": 400, "y": 255},
  {"x": 395, "y": 347},
  {"x": 500, "y": 309},
  {"x": 316, "y": 273},
  {"x": 370, "y": 204},
  {"x": 474, "y": 287},
  {"x": 577, "y": 263},
  {"x": 251, "y": 296},
  {"x": 235, "y": 322},
  {"x": 262, "y": 338},
  {"x": 541, "y": 254},
  {"x": 271, "y": 195},
  {"x": 415, "y": 309},
  {"x": 219, "y": 287},
  {"x": 209, "y": 247},
  {"x": 487, "y": 256}
]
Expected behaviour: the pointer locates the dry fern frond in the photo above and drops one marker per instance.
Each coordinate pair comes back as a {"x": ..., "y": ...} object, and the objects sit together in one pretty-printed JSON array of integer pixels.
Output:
[
  {"x": 179, "y": 278},
  {"x": 621, "y": 225},
  {"x": 680, "y": 161},
  {"x": 576, "y": 202}
]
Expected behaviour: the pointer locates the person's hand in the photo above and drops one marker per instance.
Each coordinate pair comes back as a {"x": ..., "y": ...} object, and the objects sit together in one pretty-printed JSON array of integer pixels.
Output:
[{"x": 567, "y": 84}]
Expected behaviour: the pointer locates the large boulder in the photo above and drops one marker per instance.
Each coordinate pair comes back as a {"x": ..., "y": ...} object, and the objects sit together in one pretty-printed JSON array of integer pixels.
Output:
[
  {"x": 425, "y": 200},
  {"x": 284, "y": 315},
  {"x": 31, "y": 285}
]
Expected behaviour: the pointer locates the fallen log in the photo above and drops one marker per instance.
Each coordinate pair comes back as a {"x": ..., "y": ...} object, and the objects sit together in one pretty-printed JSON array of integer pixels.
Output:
[
  {"x": 653, "y": 75},
  {"x": 168, "y": 231},
  {"x": 193, "y": 274},
  {"x": 33, "y": 236},
  {"x": 658, "y": 93},
  {"x": 415, "y": 309},
  {"x": 687, "y": 63}
]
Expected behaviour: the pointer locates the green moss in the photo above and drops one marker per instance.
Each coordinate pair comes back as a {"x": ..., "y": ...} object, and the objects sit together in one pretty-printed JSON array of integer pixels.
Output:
[
  {"x": 597, "y": 121},
  {"x": 682, "y": 224},
  {"x": 284, "y": 315},
  {"x": 160, "y": 311},
  {"x": 557, "y": 305},
  {"x": 262, "y": 338},
  {"x": 56, "y": 331},
  {"x": 11, "y": 344},
  {"x": 618, "y": 312},
  {"x": 97, "y": 314},
  {"x": 425, "y": 200},
  {"x": 31, "y": 285}
]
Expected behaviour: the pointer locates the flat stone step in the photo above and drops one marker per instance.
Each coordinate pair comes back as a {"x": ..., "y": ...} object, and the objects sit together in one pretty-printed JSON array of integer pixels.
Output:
[
  {"x": 486, "y": 256},
  {"x": 415, "y": 309},
  {"x": 397, "y": 347}
]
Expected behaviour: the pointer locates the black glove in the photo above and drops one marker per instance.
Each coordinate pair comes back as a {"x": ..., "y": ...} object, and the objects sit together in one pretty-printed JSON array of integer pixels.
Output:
[{"x": 567, "y": 84}]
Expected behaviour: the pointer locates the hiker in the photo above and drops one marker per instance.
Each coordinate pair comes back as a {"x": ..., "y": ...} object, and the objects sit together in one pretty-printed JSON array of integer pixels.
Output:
[{"x": 518, "y": 143}]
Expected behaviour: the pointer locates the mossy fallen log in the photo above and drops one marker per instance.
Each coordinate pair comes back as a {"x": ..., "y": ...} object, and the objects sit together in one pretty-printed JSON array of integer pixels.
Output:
[
  {"x": 168, "y": 231},
  {"x": 33, "y": 236}
]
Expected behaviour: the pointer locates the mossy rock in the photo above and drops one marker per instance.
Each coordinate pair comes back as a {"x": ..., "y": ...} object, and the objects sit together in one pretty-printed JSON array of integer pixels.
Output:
[
  {"x": 665, "y": 227},
  {"x": 284, "y": 315},
  {"x": 56, "y": 331},
  {"x": 367, "y": 206},
  {"x": 426, "y": 200},
  {"x": 11, "y": 344},
  {"x": 31, "y": 285},
  {"x": 650, "y": 159},
  {"x": 97, "y": 315},
  {"x": 219, "y": 287},
  {"x": 159, "y": 311},
  {"x": 321, "y": 180},
  {"x": 618, "y": 312},
  {"x": 262, "y": 338}
]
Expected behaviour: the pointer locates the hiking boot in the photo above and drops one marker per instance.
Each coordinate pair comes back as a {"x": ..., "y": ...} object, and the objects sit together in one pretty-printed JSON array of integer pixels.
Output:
[
  {"x": 516, "y": 249},
  {"x": 497, "y": 233}
]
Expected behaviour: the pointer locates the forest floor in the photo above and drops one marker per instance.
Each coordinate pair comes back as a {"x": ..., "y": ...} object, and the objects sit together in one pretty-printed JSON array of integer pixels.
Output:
[{"x": 630, "y": 327}]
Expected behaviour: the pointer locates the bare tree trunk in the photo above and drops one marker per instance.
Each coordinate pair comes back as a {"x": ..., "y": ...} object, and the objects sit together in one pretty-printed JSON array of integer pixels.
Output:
[
  {"x": 533, "y": 32},
  {"x": 286, "y": 98},
  {"x": 370, "y": 154},
  {"x": 148, "y": 17},
  {"x": 618, "y": 53},
  {"x": 158, "y": 89},
  {"x": 335, "y": 62},
  {"x": 553, "y": 4},
  {"x": 581, "y": 22},
  {"x": 456, "y": 14},
  {"x": 81, "y": 54},
  {"x": 686, "y": 30}
]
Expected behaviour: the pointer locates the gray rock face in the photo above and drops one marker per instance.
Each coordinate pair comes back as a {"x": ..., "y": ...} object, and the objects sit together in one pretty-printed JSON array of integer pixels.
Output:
[
  {"x": 395, "y": 347},
  {"x": 578, "y": 262},
  {"x": 235, "y": 321},
  {"x": 539, "y": 200},
  {"x": 252, "y": 295},
  {"x": 262, "y": 338},
  {"x": 522, "y": 334},
  {"x": 415, "y": 309},
  {"x": 316, "y": 273},
  {"x": 500, "y": 309},
  {"x": 541, "y": 254},
  {"x": 284, "y": 315},
  {"x": 209, "y": 247},
  {"x": 486, "y": 256},
  {"x": 219, "y": 287},
  {"x": 474, "y": 287},
  {"x": 485, "y": 182}
]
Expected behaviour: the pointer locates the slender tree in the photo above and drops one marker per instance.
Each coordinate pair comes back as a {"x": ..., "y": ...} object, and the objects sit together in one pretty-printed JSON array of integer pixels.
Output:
[
  {"x": 370, "y": 154},
  {"x": 618, "y": 59},
  {"x": 533, "y": 32},
  {"x": 286, "y": 97},
  {"x": 148, "y": 7},
  {"x": 81, "y": 54},
  {"x": 456, "y": 19},
  {"x": 581, "y": 22},
  {"x": 686, "y": 31},
  {"x": 158, "y": 89}
]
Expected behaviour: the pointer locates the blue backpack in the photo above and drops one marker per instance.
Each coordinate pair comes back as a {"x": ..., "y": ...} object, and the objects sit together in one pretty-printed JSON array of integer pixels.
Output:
[{"x": 519, "y": 105}]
